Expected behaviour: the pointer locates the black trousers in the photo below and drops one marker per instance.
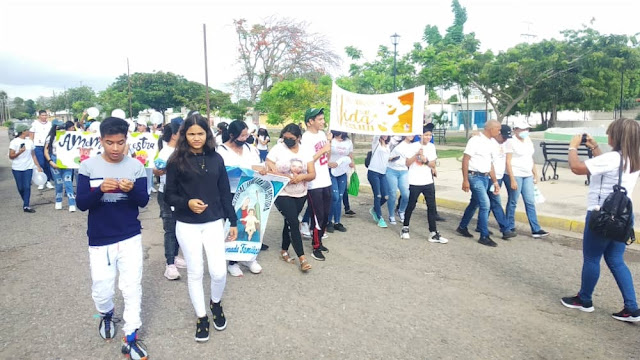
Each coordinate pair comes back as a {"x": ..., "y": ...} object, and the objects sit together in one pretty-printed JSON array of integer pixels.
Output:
[
  {"x": 320, "y": 203},
  {"x": 290, "y": 208},
  {"x": 429, "y": 192}
]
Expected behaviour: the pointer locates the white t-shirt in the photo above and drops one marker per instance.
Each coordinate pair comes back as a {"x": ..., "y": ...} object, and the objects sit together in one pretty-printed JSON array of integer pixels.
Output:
[
  {"x": 260, "y": 146},
  {"x": 24, "y": 161},
  {"x": 248, "y": 158},
  {"x": 340, "y": 151},
  {"x": 40, "y": 131},
  {"x": 164, "y": 154},
  {"x": 52, "y": 148},
  {"x": 522, "y": 158},
  {"x": 604, "y": 174},
  {"x": 482, "y": 151},
  {"x": 500, "y": 160},
  {"x": 289, "y": 163},
  {"x": 420, "y": 174},
  {"x": 399, "y": 150},
  {"x": 313, "y": 143},
  {"x": 379, "y": 156}
]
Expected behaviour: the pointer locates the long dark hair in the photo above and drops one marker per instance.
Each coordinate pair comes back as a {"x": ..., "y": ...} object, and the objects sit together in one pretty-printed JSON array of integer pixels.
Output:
[
  {"x": 233, "y": 130},
  {"x": 167, "y": 133},
  {"x": 52, "y": 138},
  {"x": 624, "y": 135},
  {"x": 180, "y": 156},
  {"x": 263, "y": 132},
  {"x": 293, "y": 129}
]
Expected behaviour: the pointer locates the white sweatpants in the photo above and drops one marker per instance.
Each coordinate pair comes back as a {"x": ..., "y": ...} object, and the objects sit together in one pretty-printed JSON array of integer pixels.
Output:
[
  {"x": 126, "y": 257},
  {"x": 192, "y": 238}
]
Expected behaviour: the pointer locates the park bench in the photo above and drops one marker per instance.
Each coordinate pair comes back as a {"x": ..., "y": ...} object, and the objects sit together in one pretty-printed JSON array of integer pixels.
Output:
[
  {"x": 555, "y": 152},
  {"x": 440, "y": 135}
]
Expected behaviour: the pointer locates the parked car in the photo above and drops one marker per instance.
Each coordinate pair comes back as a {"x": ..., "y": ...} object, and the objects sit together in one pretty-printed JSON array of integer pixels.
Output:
[{"x": 12, "y": 126}]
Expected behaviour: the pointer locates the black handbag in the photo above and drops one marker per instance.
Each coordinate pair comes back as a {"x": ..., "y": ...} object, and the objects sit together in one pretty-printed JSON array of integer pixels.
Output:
[{"x": 367, "y": 159}]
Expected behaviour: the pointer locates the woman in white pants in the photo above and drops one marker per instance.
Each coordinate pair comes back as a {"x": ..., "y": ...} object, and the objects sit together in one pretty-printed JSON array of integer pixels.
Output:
[{"x": 198, "y": 187}]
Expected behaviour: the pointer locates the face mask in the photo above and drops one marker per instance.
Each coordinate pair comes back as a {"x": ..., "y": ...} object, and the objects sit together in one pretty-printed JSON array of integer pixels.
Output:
[
  {"x": 239, "y": 142},
  {"x": 524, "y": 134},
  {"x": 290, "y": 142}
]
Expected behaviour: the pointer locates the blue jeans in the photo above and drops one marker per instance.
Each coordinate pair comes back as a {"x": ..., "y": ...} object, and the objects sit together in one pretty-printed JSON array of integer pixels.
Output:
[
  {"x": 525, "y": 187},
  {"x": 23, "y": 181},
  {"x": 594, "y": 246},
  {"x": 479, "y": 186},
  {"x": 263, "y": 155},
  {"x": 63, "y": 177},
  {"x": 44, "y": 164},
  {"x": 397, "y": 180},
  {"x": 380, "y": 193},
  {"x": 338, "y": 185},
  {"x": 495, "y": 205}
]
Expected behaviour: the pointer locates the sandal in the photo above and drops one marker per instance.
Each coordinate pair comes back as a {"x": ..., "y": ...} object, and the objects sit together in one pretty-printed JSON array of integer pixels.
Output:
[
  {"x": 285, "y": 257},
  {"x": 304, "y": 265}
]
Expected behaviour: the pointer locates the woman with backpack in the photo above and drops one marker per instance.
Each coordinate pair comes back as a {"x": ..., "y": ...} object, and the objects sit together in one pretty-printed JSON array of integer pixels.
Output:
[{"x": 605, "y": 170}]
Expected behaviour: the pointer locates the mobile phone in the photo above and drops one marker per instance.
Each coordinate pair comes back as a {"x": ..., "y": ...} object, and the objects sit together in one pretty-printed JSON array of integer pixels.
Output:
[
  {"x": 394, "y": 158},
  {"x": 21, "y": 145},
  {"x": 584, "y": 139}
]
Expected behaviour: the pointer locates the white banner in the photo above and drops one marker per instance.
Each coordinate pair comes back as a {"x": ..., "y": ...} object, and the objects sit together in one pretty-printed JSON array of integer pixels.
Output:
[{"x": 399, "y": 113}]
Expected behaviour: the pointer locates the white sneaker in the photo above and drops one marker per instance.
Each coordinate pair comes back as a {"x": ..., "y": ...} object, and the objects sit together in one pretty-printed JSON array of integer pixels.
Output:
[
  {"x": 179, "y": 262},
  {"x": 435, "y": 237},
  {"x": 154, "y": 190},
  {"x": 234, "y": 270},
  {"x": 41, "y": 187},
  {"x": 72, "y": 208},
  {"x": 392, "y": 220},
  {"x": 253, "y": 266},
  {"x": 58, "y": 206},
  {"x": 401, "y": 216},
  {"x": 324, "y": 236},
  {"x": 405, "y": 233},
  {"x": 304, "y": 230},
  {"x": 50, "y": 185},
  {"x": 171, "y": 272}
]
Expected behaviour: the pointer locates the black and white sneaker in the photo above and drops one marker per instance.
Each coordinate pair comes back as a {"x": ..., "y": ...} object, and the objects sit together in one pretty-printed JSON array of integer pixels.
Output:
[
  {"x": 202, "y": 329},
  {"x": 219, "y": 320},
  {"x": 540, "y": 233},
  {"x": 435, "y": 237},
  {"x": 405, "y": 233},
  {"x": 317, "y": 254},
  {"x": 626, "y": 315},
  {"x": 107, "y": 327},
  {"x": 574, "y": 302}
]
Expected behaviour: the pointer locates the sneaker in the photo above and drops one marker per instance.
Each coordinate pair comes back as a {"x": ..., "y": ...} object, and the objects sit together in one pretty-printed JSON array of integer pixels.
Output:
[
  {"x": 28, "y": 210},
  {"x": 264, "y": 247},
  {"x": 107, "y": 327},
  {"x": 253, "y": 266},
  {"x": 349, "y": 213},
  {"x": 401, "y": 215},
  {"x": 154, "y": 190},
  {"x": 58, "y": 206},
  {"x": 317, "y": 254},
  {"x": 576, "y": 303},
  {"x": 132, "y": 347},
  {"x": 202, "y": 329},
  {"x": 485, "y": 240},
  {"x": 373, "y": 213},
  {"x": 171, "y": 272},
  {"x": 72, "y": 208},
  {"x": 41, "y": 187},
  {"x": 440, "y": 218},
  {"x": 508, "y": 235},
  {"x": 323, "y": 248},
  {"x": 405, "y": 233},
  {"x": 340, "y": 227},
  {"x": 324, "y": 236},
  {"x": 478, "y": 231},
  {"x": 540, "y": 233},
  {"x": 381, "y": 223},
  {"x": 435, "y": 237},
  {"x": 329, "y": 227},
  {"x": 304, "y": 230},
  {"x": 626, "y": 315},
  {"x": 50, "y": 185},
  {"x": 234, "y": 270},
  {"x": 392, "y": 220},
  {"x": 219, "y": 321},
  {"x": 179, "y": 262},
  {"x": 464, "y": 232}
]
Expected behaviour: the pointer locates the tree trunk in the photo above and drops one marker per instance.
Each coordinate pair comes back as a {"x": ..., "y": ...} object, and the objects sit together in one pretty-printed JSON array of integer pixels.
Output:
[{"x": 554, "y": 116}]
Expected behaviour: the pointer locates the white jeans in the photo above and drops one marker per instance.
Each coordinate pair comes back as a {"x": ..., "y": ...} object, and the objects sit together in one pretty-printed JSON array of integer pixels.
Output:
[
  {"x": 105, "y": 261},
  {"x": 192, "y": 238},
  {"x": 149, "y": 172}
]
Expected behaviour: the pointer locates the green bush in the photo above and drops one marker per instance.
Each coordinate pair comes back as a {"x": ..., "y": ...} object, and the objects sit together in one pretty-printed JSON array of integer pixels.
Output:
[{"x": 638, "y": 116}]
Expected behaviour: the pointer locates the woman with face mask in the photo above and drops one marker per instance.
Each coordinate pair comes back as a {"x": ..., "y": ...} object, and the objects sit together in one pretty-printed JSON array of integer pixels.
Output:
[{"x": 521, "y": 177}]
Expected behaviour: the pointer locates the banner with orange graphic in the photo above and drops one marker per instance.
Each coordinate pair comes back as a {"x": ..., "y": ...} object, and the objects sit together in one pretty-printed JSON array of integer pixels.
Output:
[{"x": 398, "y": 113}]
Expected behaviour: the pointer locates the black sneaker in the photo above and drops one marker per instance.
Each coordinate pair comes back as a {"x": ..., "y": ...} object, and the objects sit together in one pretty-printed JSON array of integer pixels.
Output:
[
  {"x": 133, "y": 348},
  {"x": 202, "y": 329},
  {"x": 485, "y": 240},
  {"x": 464, "y": 232},
  {"x": 626, "y": 315},
  {"x": 107, "y": 327},
  {"x": 340, "y": 227},
  {"x": 490, "y": 232},
  {"x": 28, "y": 210},
  {"x": 508, "y": 235},
  {"x": 349, "y": 213},
  {"x": 317, "y": 254},
  {"x": 540, "y": 233},
  {"x": 323, "y": 248},
  {"x": 264, "y": 247},
  {"x": 440, "y": 218},
  {"x": 219, "y": 320},
  {"x": 576, "y": 303},
  {"x": 330, "y": 227}
]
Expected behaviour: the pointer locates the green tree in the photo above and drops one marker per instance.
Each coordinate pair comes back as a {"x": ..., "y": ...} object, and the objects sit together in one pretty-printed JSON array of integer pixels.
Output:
[{"x": 288, "y": 100}]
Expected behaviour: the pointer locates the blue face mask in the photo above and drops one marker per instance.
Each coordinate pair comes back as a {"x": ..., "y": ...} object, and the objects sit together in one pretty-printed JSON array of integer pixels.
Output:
[{"x": 524, "y": 134}]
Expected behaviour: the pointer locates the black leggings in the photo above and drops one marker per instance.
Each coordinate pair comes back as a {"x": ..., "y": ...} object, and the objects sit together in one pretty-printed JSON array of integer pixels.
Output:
[
  {"x": 429, "y": 192},
  {"x": 320, "y": 203},
  {"x": 290, "y": 208}
]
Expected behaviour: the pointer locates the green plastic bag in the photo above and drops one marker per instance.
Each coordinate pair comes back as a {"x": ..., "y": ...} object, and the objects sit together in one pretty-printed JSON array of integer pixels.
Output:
[{"x": 354, "y": 184}]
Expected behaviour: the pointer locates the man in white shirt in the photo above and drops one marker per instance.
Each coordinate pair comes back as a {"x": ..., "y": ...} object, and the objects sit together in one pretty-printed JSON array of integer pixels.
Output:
[
  {"x": 38, "y": 133},
  {"x": 315, "y": 141},
  {"x": 478, "y": 174}
]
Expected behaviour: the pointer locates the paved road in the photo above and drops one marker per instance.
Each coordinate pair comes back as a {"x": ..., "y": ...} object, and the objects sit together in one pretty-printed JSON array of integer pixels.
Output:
[{"x": 376, "y": 296}]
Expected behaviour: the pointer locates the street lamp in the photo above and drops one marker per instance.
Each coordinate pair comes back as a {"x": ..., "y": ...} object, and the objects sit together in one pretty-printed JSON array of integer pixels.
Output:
[{"x": 394, "y": 41}]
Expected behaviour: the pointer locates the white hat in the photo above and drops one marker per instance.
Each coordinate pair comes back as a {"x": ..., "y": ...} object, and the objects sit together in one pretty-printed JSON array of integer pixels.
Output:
[
  {"x": 94, "y": 127},
  {"x": 521, "y": 124},
  {"x": 141, "y": 121}
]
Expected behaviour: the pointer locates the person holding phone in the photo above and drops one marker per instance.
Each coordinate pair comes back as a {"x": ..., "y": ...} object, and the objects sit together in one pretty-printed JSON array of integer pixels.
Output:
[
  {"x": 197, "y": 186},
  {"x": 23, "y": 160}
]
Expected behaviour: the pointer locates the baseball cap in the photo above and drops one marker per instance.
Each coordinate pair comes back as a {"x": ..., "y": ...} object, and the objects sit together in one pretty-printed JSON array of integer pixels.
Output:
[
  {"x": 521, "y": 124},
  {"x": 505, "y": 131},
  {"x": 141, "y": 121},
  {"x": 311, "y": 113}
]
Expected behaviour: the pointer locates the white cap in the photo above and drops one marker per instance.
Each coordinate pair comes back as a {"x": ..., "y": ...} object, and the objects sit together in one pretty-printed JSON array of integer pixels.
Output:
[
  {"x": 521, "y": 124},
  {"x": 141, "y": 121},
  {"x": 119, "y": 113},
  {"x": 94, "y": 127}
]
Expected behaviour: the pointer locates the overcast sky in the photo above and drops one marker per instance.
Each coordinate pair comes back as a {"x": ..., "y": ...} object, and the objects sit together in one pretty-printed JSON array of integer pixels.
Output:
[{"x": 47, "y": 46}]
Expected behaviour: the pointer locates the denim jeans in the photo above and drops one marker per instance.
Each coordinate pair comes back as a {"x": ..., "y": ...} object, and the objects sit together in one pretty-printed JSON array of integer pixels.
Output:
[
  {"x": 379, "y": 187},
  {"x": 44, "y": 164},
  {"x": 495, "y": 207},
  {"x": 479, "y": 186},
  {"x": 23, "y": 181},
  {"x": 594, "y": 246},
  {"x": 397, "y": 180},
  {"x": 338, "y": 185},
  {"x": 525, "y": 187},
  {"x": 263, "y": 155},
  {"x": 171, "y": 246},
  {"x": 63, "y": 177}
]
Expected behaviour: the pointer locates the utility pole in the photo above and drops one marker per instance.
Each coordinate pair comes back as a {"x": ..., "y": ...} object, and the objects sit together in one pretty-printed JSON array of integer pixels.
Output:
[
  {"x": 621, "y": 88},
  {"x": 129, "y": 82},
  {"x": 394, "y": 41},
  {"x": 206, "y": 74}
]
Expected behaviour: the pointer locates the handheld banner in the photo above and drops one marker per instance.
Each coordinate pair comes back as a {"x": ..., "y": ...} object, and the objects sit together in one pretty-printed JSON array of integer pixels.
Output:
[
  {"x": 252, "y": 202},
  {"x": 398, "y": 113}
]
